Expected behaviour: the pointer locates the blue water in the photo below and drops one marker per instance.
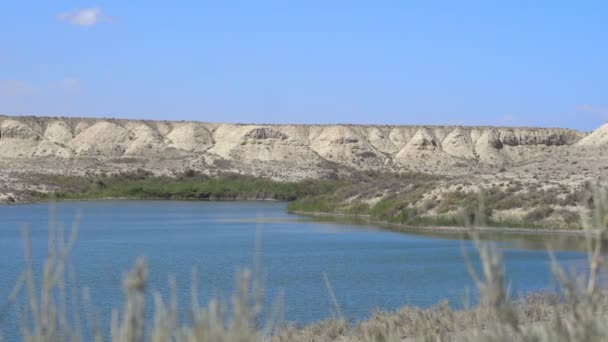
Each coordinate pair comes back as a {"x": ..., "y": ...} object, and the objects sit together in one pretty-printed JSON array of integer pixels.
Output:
[{"x": 368, "y": 268}]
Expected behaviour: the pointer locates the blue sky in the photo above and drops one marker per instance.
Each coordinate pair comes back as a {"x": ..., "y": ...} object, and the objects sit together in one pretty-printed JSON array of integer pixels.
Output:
[{"x": 534, "y": 63}]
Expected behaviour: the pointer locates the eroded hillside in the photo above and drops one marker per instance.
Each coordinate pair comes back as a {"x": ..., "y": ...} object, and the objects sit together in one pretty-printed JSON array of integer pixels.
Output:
[
  {"x": 280, "y": 151},
  {"x": 506, "y": 160}
]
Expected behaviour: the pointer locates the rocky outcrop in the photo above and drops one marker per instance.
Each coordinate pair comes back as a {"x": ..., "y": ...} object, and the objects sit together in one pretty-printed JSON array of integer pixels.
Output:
[
  {"x": 282, "y": 149},
  {"x": 102, "y": 139},
  {"x": 459, "y": 143},
  {"x": 189, "y": 137}
]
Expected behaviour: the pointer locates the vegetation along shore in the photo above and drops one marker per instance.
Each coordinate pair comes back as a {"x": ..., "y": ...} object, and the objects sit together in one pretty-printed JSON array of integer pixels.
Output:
[{"x": 408, "y": 199}]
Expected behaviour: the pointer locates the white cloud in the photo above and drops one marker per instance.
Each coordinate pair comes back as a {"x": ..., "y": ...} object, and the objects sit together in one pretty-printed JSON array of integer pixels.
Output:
[
  {"x": 83, "y": 17},
  {"x": 15, "y": 88}
]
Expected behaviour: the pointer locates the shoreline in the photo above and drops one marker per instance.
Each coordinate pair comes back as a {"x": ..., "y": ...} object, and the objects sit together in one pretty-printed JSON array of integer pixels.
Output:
[{"x": 446, "y": 229}]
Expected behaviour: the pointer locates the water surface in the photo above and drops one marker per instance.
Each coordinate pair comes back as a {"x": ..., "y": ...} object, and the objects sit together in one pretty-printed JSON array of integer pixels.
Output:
[{"x": 368, "y": 267}]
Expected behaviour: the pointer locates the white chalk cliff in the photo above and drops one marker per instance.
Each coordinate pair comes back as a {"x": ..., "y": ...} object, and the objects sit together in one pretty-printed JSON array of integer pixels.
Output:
[{"x": 281, "y": 149}]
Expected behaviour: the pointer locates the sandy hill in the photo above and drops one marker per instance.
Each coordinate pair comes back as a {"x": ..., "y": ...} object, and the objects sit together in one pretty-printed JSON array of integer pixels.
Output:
[{"x": 80, "y": 145}]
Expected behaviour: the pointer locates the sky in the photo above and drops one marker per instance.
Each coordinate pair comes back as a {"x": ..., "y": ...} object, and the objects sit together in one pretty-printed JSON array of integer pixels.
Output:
[{"x": 515, "y": 63}]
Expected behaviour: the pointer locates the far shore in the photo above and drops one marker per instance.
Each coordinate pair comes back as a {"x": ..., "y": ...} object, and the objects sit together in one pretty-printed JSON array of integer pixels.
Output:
[{"x": 446, "y": 229}]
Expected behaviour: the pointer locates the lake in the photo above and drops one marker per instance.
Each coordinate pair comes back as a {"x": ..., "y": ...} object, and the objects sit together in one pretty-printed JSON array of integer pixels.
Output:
[{"x": 367, "y": 267}]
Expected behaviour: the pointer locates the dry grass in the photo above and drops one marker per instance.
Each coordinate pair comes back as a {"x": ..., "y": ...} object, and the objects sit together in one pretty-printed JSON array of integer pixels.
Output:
[{"x": 51, "y": 313}]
